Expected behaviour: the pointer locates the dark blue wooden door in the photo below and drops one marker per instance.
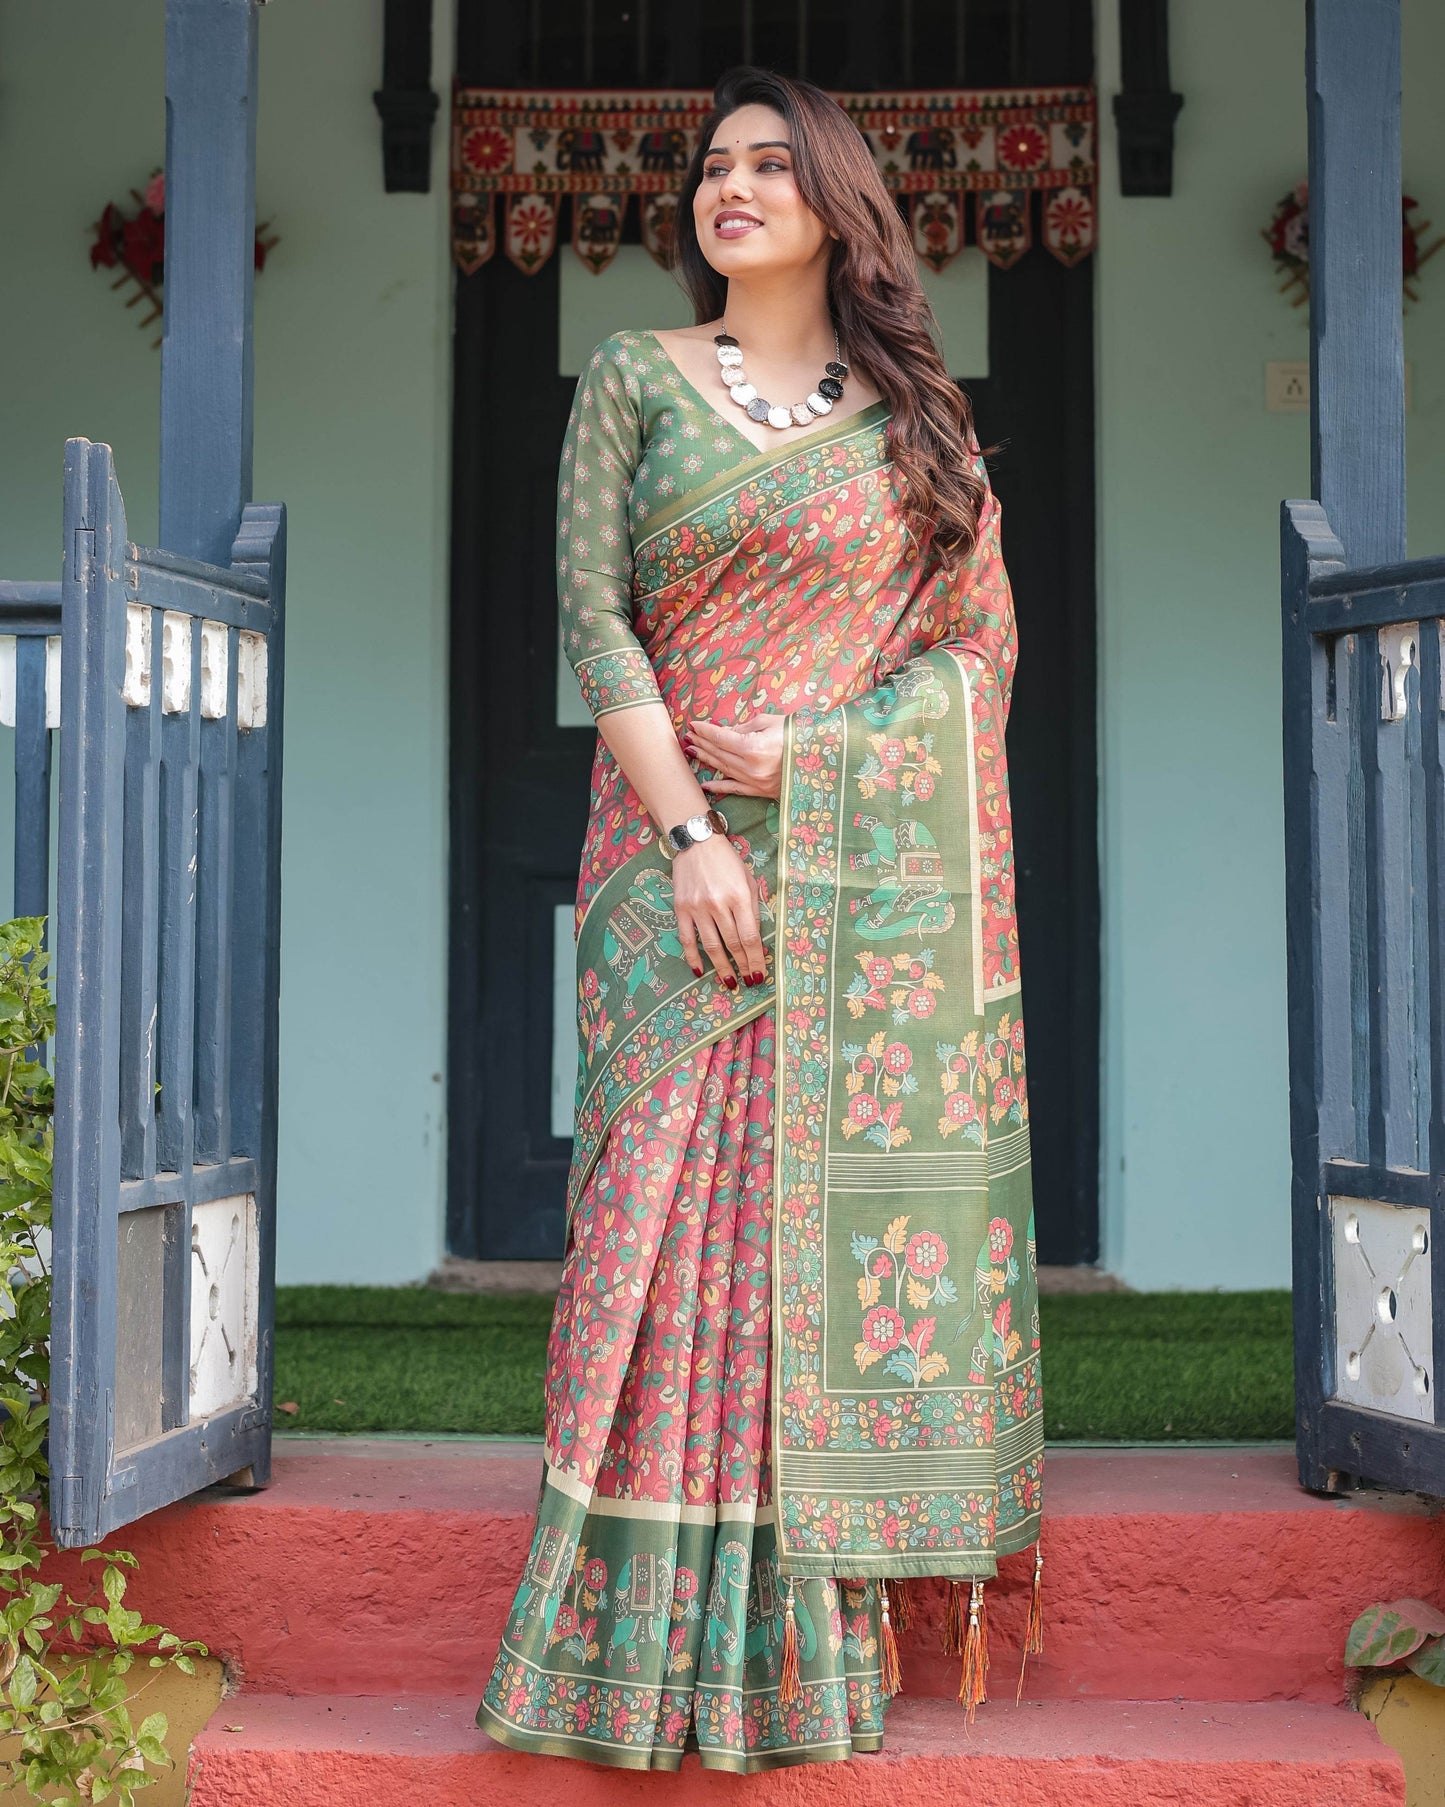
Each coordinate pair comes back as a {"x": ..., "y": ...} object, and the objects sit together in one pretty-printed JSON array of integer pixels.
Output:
[
  {"x": 166, "y": 939},
  {"x": 1364, "y": 820}
]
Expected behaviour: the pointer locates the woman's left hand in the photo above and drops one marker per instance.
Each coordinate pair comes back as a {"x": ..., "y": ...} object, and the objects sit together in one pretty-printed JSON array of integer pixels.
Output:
[{"x": 748, "y": 760}]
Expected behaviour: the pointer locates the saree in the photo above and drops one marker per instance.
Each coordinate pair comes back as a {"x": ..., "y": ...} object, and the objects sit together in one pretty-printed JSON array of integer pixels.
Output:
[{"x": 794, "y": 1360}]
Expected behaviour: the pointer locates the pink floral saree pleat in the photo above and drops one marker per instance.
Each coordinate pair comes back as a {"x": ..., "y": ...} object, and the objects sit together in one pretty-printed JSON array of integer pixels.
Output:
[{"x": 653, "y": 1537}]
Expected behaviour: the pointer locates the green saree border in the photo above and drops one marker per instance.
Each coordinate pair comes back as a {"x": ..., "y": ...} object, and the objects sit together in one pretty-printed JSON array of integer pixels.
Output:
[
  {"x": 861, "y": 448},
  {"x": 688, "y": 1015},
  {"x": 945, "y": 1524}
]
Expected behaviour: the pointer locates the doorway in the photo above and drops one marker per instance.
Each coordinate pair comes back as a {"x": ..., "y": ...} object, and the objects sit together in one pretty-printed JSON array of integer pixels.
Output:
[{"x": 521, "y": 750}]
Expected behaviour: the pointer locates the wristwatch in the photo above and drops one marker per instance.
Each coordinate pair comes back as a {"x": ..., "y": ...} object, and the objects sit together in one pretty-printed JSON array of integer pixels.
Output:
[{"x": 694, "y": 829}]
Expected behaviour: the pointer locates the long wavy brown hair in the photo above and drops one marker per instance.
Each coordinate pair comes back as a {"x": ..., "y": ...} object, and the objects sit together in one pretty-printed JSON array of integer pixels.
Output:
[{"x": 882, "y": 315}]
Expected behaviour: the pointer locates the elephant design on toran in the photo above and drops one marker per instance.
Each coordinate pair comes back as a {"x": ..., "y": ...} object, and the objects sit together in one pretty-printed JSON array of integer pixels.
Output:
[
  {"x": 581, "y": 149},
  {"x": 932, "y": 147}
]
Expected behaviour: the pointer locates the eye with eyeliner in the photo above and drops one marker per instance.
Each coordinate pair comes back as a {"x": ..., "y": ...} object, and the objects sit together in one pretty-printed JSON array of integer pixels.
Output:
[{"x": 714, "y": 172}]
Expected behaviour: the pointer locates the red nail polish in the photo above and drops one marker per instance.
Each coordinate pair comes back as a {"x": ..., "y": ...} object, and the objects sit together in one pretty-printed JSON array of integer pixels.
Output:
[
  {"x": 730, "y": 982},
  {"x": 758, "y": 978},
  {"x": 697, "y": 972}
]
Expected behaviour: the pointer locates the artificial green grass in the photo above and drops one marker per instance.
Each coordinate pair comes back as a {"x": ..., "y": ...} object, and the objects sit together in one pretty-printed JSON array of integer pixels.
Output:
[{"x": 1118, "y": 1367}]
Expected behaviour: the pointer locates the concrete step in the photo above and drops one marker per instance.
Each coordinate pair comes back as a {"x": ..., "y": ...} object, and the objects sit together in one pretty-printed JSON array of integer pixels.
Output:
[
  {"x": 386, "y": 1568},
  {"x": 357, "y": 1751}
]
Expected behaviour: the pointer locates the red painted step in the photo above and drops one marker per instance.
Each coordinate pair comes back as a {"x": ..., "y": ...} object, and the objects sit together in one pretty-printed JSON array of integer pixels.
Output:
[
  {"x": 355, "y": 1752},
  {"x": 1193, "y": 1574}
]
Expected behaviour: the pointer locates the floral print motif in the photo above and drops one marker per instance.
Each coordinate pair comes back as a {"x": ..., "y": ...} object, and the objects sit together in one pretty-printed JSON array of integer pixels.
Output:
[
  {"x": 879, "y": 1069},
  {"x": 900, "y": 763},
  {"x": 913, "y": 1266},
  {"x": 905, "y": 981},
  {"x": 984, "y": 1081}
]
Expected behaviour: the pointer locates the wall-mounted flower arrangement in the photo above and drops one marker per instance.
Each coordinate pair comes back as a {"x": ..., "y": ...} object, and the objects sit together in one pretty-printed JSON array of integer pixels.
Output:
[
  {"x": 134, "y": 245},
  {"x": 1288, "y": 237}
]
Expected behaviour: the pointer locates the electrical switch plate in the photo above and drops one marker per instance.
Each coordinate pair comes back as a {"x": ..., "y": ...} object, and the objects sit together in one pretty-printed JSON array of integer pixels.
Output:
[{"x": 1287, "y": 386}]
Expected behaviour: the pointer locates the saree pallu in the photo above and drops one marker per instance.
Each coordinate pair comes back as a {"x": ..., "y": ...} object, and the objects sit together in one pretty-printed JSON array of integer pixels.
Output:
[{"x": 795, "y": 1353}]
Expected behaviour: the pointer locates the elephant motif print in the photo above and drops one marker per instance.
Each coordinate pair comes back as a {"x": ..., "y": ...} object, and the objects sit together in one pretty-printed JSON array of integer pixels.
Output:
[
  {"x": 642, "y": 1603},
  {"x": 909, "y": 896},
  {"x": 549, "y": 1562},
  {"x": 914, "y": 690},
  {"x": 727, "y": 1604},
  {"x": 765, "y": 1620},
  {"x": 642, "y": 926}
]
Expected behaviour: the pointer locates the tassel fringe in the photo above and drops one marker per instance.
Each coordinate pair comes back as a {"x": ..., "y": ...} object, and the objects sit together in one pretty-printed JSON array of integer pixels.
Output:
[
  {"x": 790, "y": 1683},
  {"x": 972, "y": 1687},
  {"x": 890, "y": 1669},
  {"x": 1034, "y": 1629},
  {"x": 955, "y": 1620},
  {"x": 904, "y": 1605}
]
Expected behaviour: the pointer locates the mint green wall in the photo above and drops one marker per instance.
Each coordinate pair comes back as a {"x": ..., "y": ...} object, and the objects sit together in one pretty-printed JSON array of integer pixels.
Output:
[
  {"x": 1191, "y": 473},
  {"x": 352, "y": 350}
]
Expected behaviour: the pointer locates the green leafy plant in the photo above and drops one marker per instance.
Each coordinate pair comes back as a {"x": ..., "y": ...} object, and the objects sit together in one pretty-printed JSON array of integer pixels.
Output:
[
  {"x": 64, "y": 1656},
  {"x": 1399, "y": 1634}
]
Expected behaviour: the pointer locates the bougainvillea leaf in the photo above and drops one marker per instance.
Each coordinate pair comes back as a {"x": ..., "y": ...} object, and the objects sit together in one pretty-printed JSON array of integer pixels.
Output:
[
  {"x": 1389, "y": 1632},
  {"x": 1428, "y": 1661}
]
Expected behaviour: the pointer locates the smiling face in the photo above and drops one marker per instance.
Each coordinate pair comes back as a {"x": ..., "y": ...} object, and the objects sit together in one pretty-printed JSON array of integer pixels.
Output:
[{"x": 750, "y": 218}]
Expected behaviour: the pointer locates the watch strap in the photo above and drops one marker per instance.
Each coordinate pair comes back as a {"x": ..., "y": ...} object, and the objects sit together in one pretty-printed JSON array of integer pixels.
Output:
[{"x": 680, "y": 837}]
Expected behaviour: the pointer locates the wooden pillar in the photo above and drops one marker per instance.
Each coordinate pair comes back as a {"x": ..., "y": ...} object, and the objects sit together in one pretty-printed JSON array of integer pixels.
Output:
[
  {"x": 406, "y": 100},
  {"x": 205, "y": 473},
  {"x": 1357, "y": 369}
]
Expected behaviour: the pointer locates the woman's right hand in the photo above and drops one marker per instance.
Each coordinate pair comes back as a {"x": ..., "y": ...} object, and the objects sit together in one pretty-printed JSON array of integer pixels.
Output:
[{"x": 716, "y": 900}]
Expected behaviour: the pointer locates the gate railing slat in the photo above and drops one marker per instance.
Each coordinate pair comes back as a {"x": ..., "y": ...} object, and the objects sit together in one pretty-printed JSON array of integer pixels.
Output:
[
  {"x": 87, "y": 1139},
  {"x": 216, "y": 877},
  {"x": 32, "y": 778},
  {"x": 175, "y": 703},
  {"x": 139, "y": 952}
]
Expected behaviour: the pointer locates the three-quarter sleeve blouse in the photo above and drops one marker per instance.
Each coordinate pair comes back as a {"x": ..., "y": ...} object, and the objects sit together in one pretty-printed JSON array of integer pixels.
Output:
[{"x": 600, "y": 459}]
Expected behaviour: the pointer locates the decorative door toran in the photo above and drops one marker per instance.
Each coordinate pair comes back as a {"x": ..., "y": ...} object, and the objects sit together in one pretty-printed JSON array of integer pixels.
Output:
[{"x": 935, "y": 150}]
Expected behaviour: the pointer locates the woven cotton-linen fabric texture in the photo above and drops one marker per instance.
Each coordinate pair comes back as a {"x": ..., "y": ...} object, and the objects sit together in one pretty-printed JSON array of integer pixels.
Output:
[{"x": 795, "y": 1354}]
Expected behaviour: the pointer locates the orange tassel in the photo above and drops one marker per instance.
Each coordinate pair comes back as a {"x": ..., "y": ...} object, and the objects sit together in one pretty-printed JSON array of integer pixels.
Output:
[
  {"x": 790, "y": 1683},
  {"x": 954, "y": 1621},
  {"x": 972, "y": 1687},
  {"x": 904, "y": 1605},
  {"x": 1034, "y": 1629},
  {"x": 890, "y": 1669}
]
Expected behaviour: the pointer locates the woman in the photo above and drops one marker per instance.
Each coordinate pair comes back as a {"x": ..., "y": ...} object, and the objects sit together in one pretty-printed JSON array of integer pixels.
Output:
[{"x": 795, "y": 1352}]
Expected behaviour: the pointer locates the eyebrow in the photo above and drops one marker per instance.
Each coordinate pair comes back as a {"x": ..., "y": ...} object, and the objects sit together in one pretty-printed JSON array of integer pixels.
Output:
[{"x": 765, "y": 144}]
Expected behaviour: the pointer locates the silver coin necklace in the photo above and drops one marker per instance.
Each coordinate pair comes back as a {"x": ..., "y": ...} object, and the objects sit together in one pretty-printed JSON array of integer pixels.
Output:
[{"x": 776, "y": 414}]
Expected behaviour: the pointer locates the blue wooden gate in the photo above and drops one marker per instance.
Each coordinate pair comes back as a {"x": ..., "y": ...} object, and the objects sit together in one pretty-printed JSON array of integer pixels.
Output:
[
  {"x": 1364, "y": 759},
  {"x": 166, "y": 941}
]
